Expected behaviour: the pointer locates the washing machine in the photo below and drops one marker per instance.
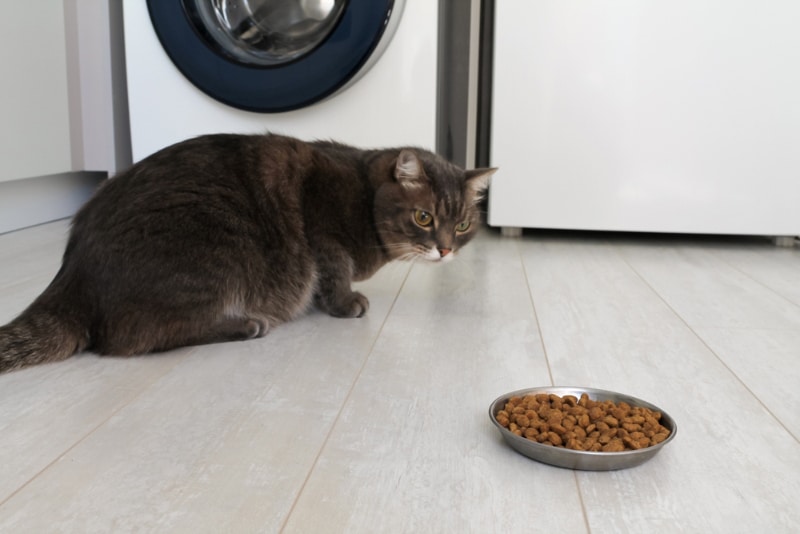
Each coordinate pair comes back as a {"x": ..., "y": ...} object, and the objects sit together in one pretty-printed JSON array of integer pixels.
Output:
[{"x": 362, "y": 72}]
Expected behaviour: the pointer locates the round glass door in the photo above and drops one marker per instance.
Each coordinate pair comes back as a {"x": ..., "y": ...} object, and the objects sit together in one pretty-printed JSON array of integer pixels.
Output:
[
  {"x": 273, "y": 55},
  {"x": 265, "y": 32}
]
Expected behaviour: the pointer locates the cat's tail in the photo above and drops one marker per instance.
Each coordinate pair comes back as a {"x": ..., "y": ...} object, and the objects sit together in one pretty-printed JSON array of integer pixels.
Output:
[{"x": 42, "y": 333}]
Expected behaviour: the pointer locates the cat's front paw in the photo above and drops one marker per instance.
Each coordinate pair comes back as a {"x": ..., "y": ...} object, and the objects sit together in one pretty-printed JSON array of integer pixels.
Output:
[{"x": 353, "y": 305}]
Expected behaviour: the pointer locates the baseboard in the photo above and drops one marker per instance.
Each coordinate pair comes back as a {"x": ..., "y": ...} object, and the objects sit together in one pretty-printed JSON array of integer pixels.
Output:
[{"x": 42, "y": 199}]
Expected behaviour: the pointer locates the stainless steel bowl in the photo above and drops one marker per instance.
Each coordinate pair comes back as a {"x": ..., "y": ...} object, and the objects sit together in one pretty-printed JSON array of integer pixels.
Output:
[{"x": 572, "y": 459}]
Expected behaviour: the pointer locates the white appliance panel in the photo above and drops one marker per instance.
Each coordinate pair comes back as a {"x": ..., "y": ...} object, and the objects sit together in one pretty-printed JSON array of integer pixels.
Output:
[
  {"x": 394, "y": 103},
  {"x": 644, "y": 115}
]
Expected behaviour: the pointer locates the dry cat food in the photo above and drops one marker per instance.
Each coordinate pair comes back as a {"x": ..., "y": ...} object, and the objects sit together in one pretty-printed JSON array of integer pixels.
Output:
[{"x": 582, "y": 424}]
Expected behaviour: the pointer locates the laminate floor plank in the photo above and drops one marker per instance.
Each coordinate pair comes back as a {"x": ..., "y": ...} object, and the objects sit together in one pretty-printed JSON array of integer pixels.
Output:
[
  {"x": 414, "y": 450},
  {"x": 607, "y": 325},
  {"x": 32, "y": 252},
  {"x": 707, "y": 291},
  {"x": 777, "y": 268},
  {"x": 767, "y": 362},
  {"x": 224, "y": 440},
  {"x": 381, "y": 424},
  {"x": 744, "y": 303}
]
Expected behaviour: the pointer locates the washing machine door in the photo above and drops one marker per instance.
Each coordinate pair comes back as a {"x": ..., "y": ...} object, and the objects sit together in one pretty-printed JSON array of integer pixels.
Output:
[{"x": 273, "y": 55}]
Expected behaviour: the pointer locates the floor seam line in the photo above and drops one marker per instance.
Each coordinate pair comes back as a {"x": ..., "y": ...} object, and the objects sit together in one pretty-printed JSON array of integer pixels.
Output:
[
  {"x": 536, "y": 316},
  {"x": 700, "y": 338},
  {"x": 87, "y": 435},
  {"x": 345, "y": 401}
]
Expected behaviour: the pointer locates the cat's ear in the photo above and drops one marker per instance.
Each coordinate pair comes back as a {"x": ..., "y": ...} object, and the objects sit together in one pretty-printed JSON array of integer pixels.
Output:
[
  {"x": 408, "y": 170},
  {"x": 477, "y": 181}
]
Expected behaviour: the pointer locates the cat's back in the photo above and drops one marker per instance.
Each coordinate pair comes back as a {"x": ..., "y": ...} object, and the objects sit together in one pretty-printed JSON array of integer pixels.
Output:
[
  {"x": 206, "y": 173},
  {"x": 217, "y": 158},
  {"x": 221, "y": 193}
]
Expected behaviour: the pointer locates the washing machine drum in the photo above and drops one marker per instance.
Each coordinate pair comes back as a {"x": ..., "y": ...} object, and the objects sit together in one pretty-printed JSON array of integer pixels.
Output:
[{"x": 273, "y": 55}]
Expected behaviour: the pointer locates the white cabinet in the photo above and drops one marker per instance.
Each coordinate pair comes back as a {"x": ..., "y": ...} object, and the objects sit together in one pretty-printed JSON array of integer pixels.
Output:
[
  {"x": 63, "y": 106},
  {"x": 34, "y": 97},
  {"x": 645, "y": 115}
]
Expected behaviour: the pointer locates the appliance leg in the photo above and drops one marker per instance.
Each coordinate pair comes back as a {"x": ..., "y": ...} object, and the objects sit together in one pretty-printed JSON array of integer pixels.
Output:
[
  {"x": 511, "y": 231},
  {"x": 783, "y": 240}
]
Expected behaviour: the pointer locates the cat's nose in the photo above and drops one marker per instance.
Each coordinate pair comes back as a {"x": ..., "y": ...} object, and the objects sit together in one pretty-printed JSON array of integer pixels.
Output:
[{"x": 444, "y": 252}]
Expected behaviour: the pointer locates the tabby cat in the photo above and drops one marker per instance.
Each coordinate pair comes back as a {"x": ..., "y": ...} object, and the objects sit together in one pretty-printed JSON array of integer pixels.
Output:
[{"x": 222, "y": 237}]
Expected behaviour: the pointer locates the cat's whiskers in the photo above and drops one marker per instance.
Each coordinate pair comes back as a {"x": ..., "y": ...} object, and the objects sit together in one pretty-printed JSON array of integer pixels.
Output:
[
  {"x": 398, "y": 252},
  {"x": 408, "y": 252},
  {"x": 410, "y": 256}
]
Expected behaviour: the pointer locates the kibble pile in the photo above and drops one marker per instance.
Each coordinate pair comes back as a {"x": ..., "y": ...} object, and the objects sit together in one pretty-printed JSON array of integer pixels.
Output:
[{"x": 582, "y": 424}]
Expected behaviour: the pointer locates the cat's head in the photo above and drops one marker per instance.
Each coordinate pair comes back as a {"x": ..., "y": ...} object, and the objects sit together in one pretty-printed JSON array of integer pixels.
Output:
[{"x": 429, "y": 209}]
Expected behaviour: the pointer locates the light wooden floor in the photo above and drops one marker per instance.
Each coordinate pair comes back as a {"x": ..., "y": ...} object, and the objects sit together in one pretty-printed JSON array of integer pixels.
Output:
[{"x": 380, "y": 425}]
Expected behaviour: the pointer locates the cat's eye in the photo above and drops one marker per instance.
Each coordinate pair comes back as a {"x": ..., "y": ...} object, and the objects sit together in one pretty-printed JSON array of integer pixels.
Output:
[
  {"x": 423, "y": 218},
  {"x": 462, "y": 226}
]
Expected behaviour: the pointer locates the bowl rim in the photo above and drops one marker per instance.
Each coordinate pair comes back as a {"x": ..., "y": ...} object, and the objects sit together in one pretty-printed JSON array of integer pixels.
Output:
[{"x": 506, "y": 433}]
